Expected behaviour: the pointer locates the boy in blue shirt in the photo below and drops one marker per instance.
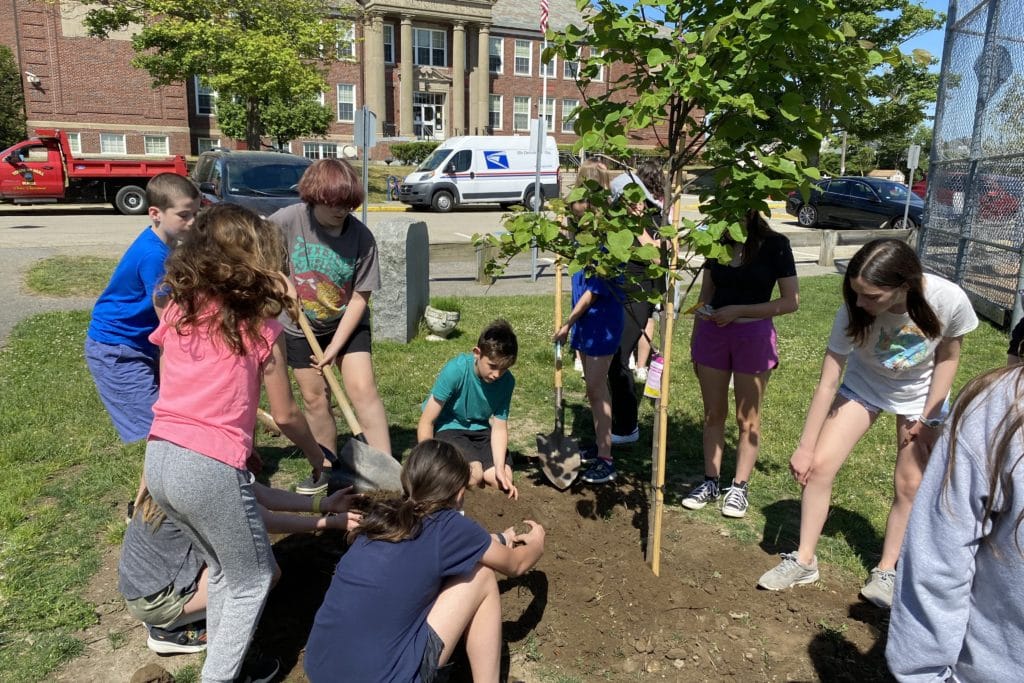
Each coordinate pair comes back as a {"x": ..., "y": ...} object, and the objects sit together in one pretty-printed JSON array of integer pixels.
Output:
[
  {"x": 468, "y": 407},
  {"x": 123, "y": 362}
]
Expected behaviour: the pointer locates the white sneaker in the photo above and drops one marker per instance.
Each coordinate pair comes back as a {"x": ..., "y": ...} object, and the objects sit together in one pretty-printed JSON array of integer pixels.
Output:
[
  {"x": 632, "y": 437},
  {"x": 878, "y": 589},
  {"x": 789, "y": 573}
]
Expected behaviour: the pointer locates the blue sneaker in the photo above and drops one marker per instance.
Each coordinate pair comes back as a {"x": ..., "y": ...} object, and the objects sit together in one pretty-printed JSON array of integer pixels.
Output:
[
  {"x": 588, "y": 454},
  {"x": 600, "y": 472}
]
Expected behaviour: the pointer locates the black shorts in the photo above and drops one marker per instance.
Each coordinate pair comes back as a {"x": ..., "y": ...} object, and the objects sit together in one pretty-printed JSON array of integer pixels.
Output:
[
  {"x": 430, "y": 672},
  {"x": 473, "y": 444},
  {"x": 1016, "y": 340},
  {"x": 299, "y": 351}
]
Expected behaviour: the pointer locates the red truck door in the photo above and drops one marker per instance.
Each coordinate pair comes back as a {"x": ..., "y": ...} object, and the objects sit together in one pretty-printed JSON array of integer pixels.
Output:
[{"x": 32, "y": 169}]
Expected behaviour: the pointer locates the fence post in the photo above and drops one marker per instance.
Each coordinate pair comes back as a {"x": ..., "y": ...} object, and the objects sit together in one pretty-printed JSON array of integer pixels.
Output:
[{"x": 827, "y": 254}]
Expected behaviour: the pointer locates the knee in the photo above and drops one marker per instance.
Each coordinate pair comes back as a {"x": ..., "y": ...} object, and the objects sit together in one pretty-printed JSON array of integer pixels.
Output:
[
  {"x": 905, "y": 487},
  {"x": 485, "y": 579},
  {"x": 316, "y": 400},
  {"x": 714, "y": 416},
  {"x": 750, "y": 429}
]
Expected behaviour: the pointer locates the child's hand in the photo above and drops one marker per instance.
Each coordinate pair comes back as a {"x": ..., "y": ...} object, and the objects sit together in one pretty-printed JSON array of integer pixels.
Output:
[
  {"x": 340, "y": 501},
  {"x": 561, "y": 335},
  {"x": 800, "y": 464},
  {"x": 330, "y": 355},
  {"x": 346, "y": 521},
  {"x": 534, "y": 535},
  {"x": 503, "y": 476}
]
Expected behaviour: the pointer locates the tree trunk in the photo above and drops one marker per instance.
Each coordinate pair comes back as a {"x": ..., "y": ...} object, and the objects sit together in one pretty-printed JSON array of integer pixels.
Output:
[{"x": 252, "y": 124}]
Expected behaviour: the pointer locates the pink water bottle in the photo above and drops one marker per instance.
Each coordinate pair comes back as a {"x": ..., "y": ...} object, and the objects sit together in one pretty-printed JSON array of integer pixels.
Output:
[{"x": 652, "y": 389}]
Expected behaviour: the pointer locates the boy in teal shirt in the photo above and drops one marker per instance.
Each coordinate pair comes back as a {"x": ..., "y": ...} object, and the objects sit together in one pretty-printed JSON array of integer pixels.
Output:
[{"x": 469, "y": 403}]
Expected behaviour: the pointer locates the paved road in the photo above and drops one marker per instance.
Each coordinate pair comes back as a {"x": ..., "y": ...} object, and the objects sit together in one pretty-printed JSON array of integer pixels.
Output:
[{"x": 28, "y": 234}]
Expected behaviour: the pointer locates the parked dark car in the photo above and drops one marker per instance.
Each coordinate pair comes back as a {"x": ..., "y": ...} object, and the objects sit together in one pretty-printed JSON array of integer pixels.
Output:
[
  {"x": 261, "y": 181},
  {"x": 856, "y": 202}
]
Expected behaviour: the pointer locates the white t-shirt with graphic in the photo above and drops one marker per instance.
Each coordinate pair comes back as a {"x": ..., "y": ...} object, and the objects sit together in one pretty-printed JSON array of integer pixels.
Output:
[{"x": 893, "y": 368}]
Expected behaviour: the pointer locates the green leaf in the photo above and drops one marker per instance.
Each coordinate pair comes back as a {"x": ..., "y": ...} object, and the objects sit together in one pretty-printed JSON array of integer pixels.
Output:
[{"x": 619, "y": 243}]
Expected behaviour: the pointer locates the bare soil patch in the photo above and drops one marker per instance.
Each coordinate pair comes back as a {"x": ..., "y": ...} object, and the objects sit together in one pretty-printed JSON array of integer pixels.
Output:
[{"x": 591, "y": 609}]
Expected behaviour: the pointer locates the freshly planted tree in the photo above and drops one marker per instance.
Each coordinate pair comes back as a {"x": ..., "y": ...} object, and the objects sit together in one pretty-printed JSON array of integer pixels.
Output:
[
  {"x": 12, "y": 100},
  {"x": 255, "y": 52}
]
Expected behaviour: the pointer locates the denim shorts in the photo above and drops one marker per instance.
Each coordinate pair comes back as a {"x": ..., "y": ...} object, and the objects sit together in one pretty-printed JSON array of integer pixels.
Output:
[
  {"x": 128, "y": 384},
  {"x": 748, "y": 348},
  {"x": 430, "y": 672},
  {"x": 851, "y": 395}
]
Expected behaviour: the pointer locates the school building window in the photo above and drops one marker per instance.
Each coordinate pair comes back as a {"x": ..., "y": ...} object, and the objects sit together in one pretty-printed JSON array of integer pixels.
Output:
[
  {"x": 206, "y": 144},
  {"x": 346, "y": 102},
  {"x": 429, "y": 47},
  {"x": 320, "y": 150},
  {"x": 570, "y": 70},
  {"x": 569, "y": 114},
  {"x": 521, "y": 113},
  {"x": 345, "y": 47},
  {"x": 494, "y": 113},
  {"x": 548, "y": 68},
  {"x": 549, "y": 114},
  {"x": 112, "y": 143},
  {"x": 75, "y": 143},
  {"x": 496, "y": 54},
  {"x": 206, "y": 99},
  {"x": 156, "y": 145},
  {"x": 524, "y": 57},
  {"x": 389, "y": 43}
]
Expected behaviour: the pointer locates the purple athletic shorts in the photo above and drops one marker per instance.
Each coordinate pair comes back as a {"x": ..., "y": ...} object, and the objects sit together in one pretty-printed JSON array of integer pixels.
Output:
[{"x": 748, "y": 348}]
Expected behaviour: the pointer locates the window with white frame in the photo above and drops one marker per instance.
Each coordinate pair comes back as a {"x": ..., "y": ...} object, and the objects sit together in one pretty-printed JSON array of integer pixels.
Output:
[
  {"x": 570, "y": 70},
  {"x": 345, "y": 47},
  {"x": 206, "y": 99},
  {"x": 389, "y": 43},
  {"x": 494, "y": 112},
  {"x": 156, "y": 145},
  {"x": 548, "y": 68},
  {"x": 524, "y": 57},
  {"x": 321, "y": 98},
  {"x": 549, "y": 114},
  {"x": 112, "y": 143},
  {"x": 569, "y": 114},
  {"x": 521, "y": 113},
  {"x": 346, "y": 102},
  {"x": 320, "y": 150},
  {"x": 206, "y": 144},
  {"x": 429, "y": 47},
  {"x": 496, "y": 54},
  {"x": 599, "y": 76},
  {"x": 75, "y": 143}
]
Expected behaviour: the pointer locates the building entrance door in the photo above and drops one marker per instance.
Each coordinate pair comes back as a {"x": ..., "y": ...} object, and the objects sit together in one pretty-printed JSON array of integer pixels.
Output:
[{"x": 428, "y": 115}]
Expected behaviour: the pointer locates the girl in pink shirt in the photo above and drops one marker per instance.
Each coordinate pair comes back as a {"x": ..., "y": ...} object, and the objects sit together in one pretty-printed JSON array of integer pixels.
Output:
[{"x": 219, "y": 340}]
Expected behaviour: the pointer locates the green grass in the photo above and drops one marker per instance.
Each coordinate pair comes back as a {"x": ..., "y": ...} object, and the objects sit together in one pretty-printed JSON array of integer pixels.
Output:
[
  {"x": 66, "y": 276},
  {"x": 66, "y": 476}
]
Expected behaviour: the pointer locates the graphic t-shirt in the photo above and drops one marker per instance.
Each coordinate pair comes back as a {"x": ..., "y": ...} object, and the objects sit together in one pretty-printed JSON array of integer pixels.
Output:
[
  {"x": 326, "y": 269},
  {"x": 752, "y": 283},
  {"x": 893, "y": 368},
  {"x": 469, "y": 402},
  {"x": 372, "y": 625}
]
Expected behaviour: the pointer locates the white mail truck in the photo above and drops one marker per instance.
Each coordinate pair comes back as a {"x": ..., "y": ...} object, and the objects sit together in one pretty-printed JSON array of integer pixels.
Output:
[{"x": 480, "y": 169}]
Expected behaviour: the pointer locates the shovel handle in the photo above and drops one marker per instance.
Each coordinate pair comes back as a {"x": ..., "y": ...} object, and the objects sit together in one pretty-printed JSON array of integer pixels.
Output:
[
  {"x": 332, "y": 380},
  {"x": 558, "y": 326}
]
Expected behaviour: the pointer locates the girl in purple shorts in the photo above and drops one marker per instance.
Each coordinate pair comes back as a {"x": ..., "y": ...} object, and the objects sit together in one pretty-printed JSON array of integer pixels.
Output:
[{"x": 733, "y": 337}]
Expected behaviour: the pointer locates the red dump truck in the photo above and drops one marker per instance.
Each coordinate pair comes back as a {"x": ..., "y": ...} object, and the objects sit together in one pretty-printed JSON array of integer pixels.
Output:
[{"x": 43, "y": 170}]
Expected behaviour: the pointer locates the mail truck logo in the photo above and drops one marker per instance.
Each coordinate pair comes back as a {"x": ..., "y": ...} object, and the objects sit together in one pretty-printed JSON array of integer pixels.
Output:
[{"x": 496, "y": 159}]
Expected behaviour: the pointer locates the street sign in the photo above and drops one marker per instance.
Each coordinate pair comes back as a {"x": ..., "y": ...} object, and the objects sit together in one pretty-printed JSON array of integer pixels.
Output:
[
  {"x": 366, "y": 128},
  {"x": 913, "y": 156}
]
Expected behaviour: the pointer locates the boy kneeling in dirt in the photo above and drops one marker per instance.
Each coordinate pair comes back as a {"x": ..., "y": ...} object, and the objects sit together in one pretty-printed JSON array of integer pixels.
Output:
[{"x": 468, "y": 407}]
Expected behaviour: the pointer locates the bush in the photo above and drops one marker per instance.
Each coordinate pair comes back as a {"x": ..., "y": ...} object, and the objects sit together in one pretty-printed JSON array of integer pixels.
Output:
[{"x": 412, "y": 153}]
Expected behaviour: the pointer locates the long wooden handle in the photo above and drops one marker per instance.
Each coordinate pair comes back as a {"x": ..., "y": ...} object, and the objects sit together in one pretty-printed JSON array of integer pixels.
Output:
[
  {"x": 558, "y": 325},
  {"x": 332, "y": 381}
]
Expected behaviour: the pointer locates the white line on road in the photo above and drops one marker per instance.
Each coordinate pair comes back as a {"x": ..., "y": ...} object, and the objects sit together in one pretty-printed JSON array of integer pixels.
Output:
[{"x": 462, "y": 234}]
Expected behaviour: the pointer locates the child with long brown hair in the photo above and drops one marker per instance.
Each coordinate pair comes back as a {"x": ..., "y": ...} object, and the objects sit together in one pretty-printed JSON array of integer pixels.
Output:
[
  {"x": 418, "y": 578},
  {"x": 898, "y": 336},
  {"x": 219, "y": 338},
  {"x": 958, "y": 612}
]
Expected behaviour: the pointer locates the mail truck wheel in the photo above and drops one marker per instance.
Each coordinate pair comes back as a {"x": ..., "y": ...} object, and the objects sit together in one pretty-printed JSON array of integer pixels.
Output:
[{"x": 443, "y": 201}]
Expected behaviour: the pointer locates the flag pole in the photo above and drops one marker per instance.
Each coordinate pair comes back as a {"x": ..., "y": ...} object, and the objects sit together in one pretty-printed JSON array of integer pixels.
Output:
[{"x": 542, "y": 131}]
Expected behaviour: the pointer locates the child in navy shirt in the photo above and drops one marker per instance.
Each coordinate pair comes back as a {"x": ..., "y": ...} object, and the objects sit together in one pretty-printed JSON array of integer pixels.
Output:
[{"x": 417, "y": 579}]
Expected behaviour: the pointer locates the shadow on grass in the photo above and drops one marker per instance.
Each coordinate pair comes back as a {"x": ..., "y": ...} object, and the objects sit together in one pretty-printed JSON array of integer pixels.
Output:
[
  {"x": 835, "y": 658},
  {"x": 782, "y": 530}
]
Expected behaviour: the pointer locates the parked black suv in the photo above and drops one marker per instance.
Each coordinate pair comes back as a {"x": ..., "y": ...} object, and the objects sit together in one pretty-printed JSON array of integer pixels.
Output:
[{"x": 261, "y": 181}]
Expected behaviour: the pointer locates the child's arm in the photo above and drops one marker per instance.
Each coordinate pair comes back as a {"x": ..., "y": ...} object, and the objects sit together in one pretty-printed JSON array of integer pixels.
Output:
[
  {"x": 499, "y": 447},
  {"x": 287, "y": 501},
  {"x": 947, "y": 360},
  {"x": 285, "y": 523},
  {"x": 585, "y": 302},
  {"x": 354, "y": 311},
  {"x": 519, "y": 555},
  {"x": 285, "y": 410},
  {"x": 431, "y": 411}
]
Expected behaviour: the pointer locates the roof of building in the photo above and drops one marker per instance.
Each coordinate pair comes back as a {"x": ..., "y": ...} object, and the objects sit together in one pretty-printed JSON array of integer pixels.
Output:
[{"x": 518, "y": 14}]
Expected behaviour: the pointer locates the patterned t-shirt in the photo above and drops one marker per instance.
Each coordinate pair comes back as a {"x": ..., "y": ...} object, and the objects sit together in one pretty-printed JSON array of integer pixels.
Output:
[{"x": 325, "y": 269}]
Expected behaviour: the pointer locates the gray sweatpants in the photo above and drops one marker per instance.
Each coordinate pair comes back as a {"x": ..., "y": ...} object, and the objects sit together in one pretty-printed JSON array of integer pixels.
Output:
[{"x": 214, "y": 505}]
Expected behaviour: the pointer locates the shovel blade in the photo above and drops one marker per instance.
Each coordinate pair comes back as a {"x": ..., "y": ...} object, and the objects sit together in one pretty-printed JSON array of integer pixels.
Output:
[
  {"x": 366, "y": 469},
  {"x": 559, "y": 459}
]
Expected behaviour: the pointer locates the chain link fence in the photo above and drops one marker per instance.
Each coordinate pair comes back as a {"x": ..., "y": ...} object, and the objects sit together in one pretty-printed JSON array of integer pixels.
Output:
[{"x": 973, "y": 229}]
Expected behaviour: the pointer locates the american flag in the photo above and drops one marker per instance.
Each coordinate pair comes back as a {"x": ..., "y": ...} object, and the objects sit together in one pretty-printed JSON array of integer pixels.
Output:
[{"x": 543, "y": 16}]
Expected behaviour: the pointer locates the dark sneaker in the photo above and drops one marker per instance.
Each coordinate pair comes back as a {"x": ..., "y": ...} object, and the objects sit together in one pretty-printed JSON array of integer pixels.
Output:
[
  {"x": 188, "y": 638},
  {"x": 789, "y": 573},
  {"x": 703, "y": 494},
  {"x": 588, "y": 454},
  {"x": 261, "y": 670},
  {"x": 878, "y": 589},
  {"x": 735, "y": 503},
  {"x": 632, "y": 437},
  {"x": 310, "y": 486},
  {"x": 600, "y": 472}
]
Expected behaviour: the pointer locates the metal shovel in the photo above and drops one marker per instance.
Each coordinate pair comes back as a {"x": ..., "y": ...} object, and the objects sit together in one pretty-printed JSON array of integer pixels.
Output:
[
  {"x": 559, "y": 455},
  {"x": 360, "y": 465}
]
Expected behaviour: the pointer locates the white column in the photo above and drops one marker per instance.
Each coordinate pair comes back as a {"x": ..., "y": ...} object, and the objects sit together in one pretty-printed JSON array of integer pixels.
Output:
[
  {"x": 373, "y": 67},
  {"x": 405, "y": 73},
  {"x": 483, "y": 98},
  {"x": 458, "y": 120}
]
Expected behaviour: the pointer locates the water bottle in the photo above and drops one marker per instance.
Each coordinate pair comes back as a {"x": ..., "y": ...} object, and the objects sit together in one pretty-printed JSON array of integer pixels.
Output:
[{"x": 652, "y": 389}]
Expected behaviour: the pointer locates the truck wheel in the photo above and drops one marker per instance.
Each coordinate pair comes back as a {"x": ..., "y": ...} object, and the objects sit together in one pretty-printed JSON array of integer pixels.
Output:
[
  {"x": 530, "y": 200},
  {"x": 443, "y": 201},
  {"x": 131, "y": 200}
]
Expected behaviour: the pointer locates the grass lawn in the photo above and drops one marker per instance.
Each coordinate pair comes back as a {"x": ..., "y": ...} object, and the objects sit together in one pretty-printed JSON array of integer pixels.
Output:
[{"x": 66, "y": 476}]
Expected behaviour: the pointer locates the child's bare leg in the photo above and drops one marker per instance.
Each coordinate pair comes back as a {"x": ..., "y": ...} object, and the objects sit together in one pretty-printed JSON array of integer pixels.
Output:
[
  {"x": 477, "y": 476},
  {"x": 471, "y": 605},
  {"x": 361, "y": 387},
  {"x": 595, "y": 369}
]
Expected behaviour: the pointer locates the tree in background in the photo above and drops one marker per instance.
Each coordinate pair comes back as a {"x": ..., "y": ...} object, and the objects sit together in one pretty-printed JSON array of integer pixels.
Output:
[
  {"x": 279, "y": 120},
  {"x": 892, "y": 149},
  {"x": 12, "y": 100},
  {"x": 253, "y": 52}
]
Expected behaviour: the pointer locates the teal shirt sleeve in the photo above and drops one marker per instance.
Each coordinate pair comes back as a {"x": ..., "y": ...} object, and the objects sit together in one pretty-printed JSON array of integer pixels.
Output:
[
  {"x": 447, "y": 382},
  {"x": 508, "y": 383}
]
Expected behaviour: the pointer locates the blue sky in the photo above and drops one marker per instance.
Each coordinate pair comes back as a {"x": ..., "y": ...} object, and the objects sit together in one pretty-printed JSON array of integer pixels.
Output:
[{"x": 932, "y": 40}]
